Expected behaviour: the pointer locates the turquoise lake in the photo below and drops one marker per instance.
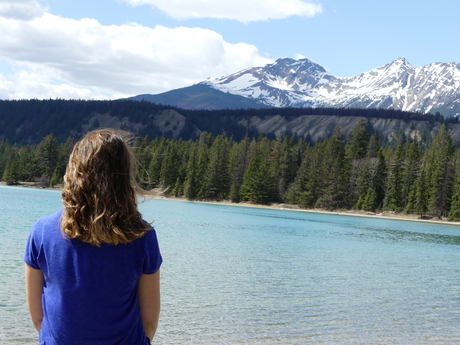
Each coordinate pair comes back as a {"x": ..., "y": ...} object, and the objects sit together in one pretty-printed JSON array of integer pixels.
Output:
[{"x": 239, "y": 275}]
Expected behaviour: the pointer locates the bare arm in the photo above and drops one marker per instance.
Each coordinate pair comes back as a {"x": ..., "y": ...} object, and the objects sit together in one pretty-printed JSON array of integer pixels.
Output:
[
  {"x": 34, "y": 289},
  {"x": 149, "y": 302}
]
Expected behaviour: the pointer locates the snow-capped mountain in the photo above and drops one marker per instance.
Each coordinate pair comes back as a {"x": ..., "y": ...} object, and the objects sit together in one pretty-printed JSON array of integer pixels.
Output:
[{"x": 304, "y": 83}]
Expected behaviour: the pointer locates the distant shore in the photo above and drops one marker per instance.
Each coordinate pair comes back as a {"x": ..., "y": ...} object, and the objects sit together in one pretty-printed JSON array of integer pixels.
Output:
[{"x": 289, "y": 207}]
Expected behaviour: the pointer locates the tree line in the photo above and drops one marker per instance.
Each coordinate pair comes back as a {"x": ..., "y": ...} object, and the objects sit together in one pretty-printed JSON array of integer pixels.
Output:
[{"x": 354, "y": 172}]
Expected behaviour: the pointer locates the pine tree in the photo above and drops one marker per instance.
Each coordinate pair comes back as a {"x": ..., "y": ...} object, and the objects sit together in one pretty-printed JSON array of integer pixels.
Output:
[
  {"x": 284, "y": 164},
  {"x": 315, "y": 178},
  {"x": 47, "y": 155},
  {"x": 360, "y": 180},
  {"x": 370, "y": 202},
  {"x": 440, "y": 173},
  {"x": 11, "y": 172},
  {"x": 29, "y": 165},
  {"x": 170, "y": 168},
  {"x": 371, "y": 180},
  {"x": 216, "y": 184},
  {"x": 257, "y": 184},
  {"x": 204, "y": 144},
  {"x": 190, "y": 186},
  {"x": 5, "y": 148},
  {"x": 357, "y": 154},
  {"x": 418, "y": 196},
  {"x": 56, "y": 178},
  {"x": 373, "y": 148},
  {"x": 335, "y": 179},
  {"x": 358, "y": 142},
  {"x": 411, "y": 168},
  {"x": 157, "y": 151},
  {"x": 380, "y": 177},
  {"x": 64, "y": 152},
  {"x": 183, "y": 153},
  {"x": 238, "y": 165},
  {"x": 177, "y": 189},
  {"x": 394, "y": 196},
  {"x": 154, "y": 170},
  {"x": 454, "y": 213},
  {"x": 308, "y": 182}
]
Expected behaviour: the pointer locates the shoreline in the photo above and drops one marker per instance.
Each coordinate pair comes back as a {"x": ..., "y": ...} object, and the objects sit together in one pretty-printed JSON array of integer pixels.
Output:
[
  {"x": 288, "y": 207},
  {"x": 282, "y": 207}
]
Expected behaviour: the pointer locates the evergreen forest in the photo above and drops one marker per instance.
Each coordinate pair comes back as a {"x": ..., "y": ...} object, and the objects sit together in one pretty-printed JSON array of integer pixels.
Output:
[{"x": 338, "y": 173}]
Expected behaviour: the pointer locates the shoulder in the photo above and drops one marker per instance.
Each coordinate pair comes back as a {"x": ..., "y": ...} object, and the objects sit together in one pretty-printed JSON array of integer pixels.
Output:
[
  {"x": 45, "y": 224},
  {"x": 41, "y": 235},
  {"x": 52, "y": 218},
  {"x": 150, "y": 237},
  {"x": 149, "y": 240}
]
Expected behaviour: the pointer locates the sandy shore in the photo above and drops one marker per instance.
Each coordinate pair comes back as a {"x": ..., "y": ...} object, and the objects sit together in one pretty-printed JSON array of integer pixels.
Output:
[{"x": 384, "y": 214}]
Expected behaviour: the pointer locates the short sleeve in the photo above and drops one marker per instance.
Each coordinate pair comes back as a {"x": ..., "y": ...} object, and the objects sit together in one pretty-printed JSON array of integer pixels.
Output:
[
  {"x": 153, "y": 259},
  {"x": 32, "y": 250}
]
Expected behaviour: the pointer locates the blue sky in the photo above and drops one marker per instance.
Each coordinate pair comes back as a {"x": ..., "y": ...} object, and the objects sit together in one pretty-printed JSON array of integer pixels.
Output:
[{"x": 107, "y": 49}]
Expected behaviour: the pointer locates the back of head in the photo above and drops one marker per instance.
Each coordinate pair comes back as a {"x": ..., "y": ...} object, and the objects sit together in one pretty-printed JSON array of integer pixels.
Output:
[{"x": 99, "y": 191}]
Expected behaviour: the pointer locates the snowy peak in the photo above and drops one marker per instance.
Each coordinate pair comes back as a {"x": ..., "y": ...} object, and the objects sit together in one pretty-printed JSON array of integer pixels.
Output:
[
  {"x": 293, "y": 75},
  {"x": 382, "y": 77},
  {"x": 397, "y": 85},
  {"x": 282, "y": 73},
  {"x": 282, "y": 83},
  {"x": 288, "y": 66},
  {"x": 399, "y": 64},
  {"x": 393, "y": 69}
]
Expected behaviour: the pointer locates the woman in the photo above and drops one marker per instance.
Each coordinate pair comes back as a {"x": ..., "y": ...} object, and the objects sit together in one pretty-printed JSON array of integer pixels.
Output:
[{"x": 92, "y": 269}]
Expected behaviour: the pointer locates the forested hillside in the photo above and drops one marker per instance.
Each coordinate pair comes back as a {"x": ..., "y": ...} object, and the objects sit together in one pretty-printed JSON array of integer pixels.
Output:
[
  {"x": 29, "y": 121},
  {"x": 340, "y": 172}
]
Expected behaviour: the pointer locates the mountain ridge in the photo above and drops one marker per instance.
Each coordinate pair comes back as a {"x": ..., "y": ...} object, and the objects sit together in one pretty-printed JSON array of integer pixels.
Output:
[{"x": 303, "y": 83}]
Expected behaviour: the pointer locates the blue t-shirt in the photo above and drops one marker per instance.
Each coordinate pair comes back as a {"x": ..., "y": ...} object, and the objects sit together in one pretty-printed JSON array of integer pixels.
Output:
[{"x": 90, "y": 293}]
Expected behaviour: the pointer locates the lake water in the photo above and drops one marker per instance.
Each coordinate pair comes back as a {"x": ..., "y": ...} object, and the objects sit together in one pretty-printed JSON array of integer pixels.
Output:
[{"x": 237, "y": 275}]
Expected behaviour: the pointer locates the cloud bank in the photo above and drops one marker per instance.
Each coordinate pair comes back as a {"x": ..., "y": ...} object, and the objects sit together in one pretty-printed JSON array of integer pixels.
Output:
[{"x": 54, "y": 57}]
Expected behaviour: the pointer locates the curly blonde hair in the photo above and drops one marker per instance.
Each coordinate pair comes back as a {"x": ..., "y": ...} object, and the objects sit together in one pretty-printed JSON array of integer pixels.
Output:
[{"x": 99, "y": 197}]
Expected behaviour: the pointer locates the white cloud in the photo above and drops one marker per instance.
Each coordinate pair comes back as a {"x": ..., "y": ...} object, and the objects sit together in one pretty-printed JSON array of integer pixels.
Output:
[
  {"x": 241, "y": 10},
  {"x": 58, "y": 57},
  {"x": 20, "y": 9},
  {"x": 26, "y": 85},
  {"x": 300, "y": 56}
]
